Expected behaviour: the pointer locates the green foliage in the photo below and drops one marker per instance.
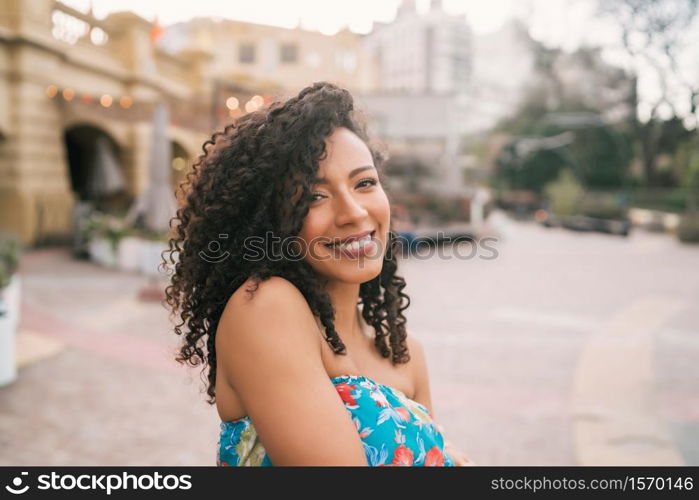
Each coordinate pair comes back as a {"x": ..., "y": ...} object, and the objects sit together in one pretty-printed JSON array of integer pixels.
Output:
[
  {"x": 564, "y": 193},
  {"x": 688, "y": 229},
  {"x": 109, "y": 226},
  {"x": 602, "y": 205},
  {"x": 690, "y": 179},
  {"x": 10, "y": 252},
  {"x": 114, "y": 228},
  {"x": 602, "y": 155},
  {"x": 653, "y": 32},
  {"x": 531, "y": 173},
  {"x": 675, "y": 200}
]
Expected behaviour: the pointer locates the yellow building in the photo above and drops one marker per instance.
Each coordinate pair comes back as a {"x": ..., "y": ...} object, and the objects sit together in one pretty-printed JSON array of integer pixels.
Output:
[
  {"x": 75, "y": 90},
  {"x": 273, "y": 56}
]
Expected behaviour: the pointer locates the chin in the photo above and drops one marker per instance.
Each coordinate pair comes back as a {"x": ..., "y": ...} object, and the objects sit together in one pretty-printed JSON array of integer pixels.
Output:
[
  {"x": 358, "y": 276},
  {"x": 352, "y": 272}
]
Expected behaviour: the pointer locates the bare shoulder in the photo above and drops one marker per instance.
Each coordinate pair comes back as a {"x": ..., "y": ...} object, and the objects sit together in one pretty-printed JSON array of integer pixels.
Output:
[
  {"x": 252, "y": 312},
  {"x": 272, "y": 289},
  {"x": 274, "y": 295},
  {"x": 269, "y": 346}
]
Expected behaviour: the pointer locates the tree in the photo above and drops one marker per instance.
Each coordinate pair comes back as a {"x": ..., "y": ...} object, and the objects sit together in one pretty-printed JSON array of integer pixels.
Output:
[{"x": 653, "y": 32}]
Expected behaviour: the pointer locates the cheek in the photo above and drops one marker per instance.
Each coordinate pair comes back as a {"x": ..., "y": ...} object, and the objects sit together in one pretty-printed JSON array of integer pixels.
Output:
[
  {"x": 381, "y": 209},
  {"x": 313, "y": 226}
]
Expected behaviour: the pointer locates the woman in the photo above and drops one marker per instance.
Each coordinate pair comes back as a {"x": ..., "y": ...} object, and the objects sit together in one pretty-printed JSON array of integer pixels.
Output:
[{"x": 285, "y": 284}]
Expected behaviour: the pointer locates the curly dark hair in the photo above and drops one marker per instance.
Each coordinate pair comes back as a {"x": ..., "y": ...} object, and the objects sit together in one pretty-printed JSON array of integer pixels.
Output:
[{"x": 241, "y": 186}]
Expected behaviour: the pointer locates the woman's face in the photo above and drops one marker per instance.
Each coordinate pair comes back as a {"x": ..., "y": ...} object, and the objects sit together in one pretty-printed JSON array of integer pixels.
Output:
[{"x": 348, "y": 201}]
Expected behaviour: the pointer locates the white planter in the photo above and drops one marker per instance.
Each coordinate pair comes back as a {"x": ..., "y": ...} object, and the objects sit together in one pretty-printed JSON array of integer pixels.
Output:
[
  {"x": 101, "y": 252},
  {"x": 8, "y": 339},
  {"x": 130, "y": 253},
  {"x": 152, "y": 257},
  {"x": 13, "y": 297}
]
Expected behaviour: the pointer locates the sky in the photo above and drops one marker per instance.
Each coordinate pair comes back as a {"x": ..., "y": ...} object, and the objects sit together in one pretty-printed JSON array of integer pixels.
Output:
[
  {"x": 567, "y": 24},
  {"x": 328, "y": 16}
]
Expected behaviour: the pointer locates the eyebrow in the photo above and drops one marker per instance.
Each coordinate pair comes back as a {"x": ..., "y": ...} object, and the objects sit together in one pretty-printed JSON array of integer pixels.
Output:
[{"x": 323, "y": 180}]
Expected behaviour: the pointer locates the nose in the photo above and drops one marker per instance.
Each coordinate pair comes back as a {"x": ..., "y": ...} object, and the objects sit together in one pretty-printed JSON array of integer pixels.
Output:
[{"x": 349, "y": 209}]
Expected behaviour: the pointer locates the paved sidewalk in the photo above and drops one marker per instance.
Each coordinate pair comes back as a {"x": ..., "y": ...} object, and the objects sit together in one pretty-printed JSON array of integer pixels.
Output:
[
  {"x": 568, "y": 348},
  {"x": 98, "y": 385}
]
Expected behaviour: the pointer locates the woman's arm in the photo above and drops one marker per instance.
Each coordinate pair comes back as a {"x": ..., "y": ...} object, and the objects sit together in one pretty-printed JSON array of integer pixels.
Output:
[
  {"x": 423, "y": 396},
  {"x": 270, "y": 353}
]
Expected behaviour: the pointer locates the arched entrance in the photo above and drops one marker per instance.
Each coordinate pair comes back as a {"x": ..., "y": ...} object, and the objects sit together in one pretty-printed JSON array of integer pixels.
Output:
[
  {"x": 95, "y": 165},
  {"x": 180, "y": 164}
]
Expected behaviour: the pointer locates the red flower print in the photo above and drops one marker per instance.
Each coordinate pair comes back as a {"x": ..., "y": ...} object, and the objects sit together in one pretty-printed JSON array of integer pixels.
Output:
[
  {"x": 434, "y": 457},
  {"x": 403, "y": 412},
  {"x": 379, "y": 398},
  {"x": 403, "y": 455},
  {"x": 345, "y": 391}
]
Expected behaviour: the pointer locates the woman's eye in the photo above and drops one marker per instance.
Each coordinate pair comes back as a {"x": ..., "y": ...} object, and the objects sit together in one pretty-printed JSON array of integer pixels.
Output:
[
  {"x": 313, "y": 196},
  {"x": 363, "y": 182}
]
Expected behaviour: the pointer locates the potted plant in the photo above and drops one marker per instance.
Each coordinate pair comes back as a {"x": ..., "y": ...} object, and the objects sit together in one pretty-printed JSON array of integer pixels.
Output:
[
  {"x": 154, "y": 244},
  {"x": 130, "y": 252},
  {"x": 104, "y": 232},
  {"x": 9, "y": 308}
]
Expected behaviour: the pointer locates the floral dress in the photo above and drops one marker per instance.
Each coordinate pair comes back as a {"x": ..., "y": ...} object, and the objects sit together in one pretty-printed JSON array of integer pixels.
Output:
[{"x": 394, "y": 429}]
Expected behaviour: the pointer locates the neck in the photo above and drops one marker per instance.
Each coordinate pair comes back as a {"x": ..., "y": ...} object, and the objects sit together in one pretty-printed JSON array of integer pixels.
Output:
[{"x": 344, "y": 298}]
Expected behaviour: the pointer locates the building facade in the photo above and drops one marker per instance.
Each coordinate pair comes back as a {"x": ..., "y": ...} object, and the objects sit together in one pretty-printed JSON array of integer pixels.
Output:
[
  {"x": 77, "y": 92},
  {"x": 423, "y": 79},
  {"x": 422, "y": 53},
  {"x": 275, "y": 57}
]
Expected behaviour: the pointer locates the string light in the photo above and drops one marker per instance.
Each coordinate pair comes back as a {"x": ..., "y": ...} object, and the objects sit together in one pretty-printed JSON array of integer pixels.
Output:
[
  {"x": 106, "y": 100},
  {"x": 250, "y": 106},
  {"x": 232, "y": 103},
  {"x": 125, "y": 102},
  {"x": 178, "y": 163}
]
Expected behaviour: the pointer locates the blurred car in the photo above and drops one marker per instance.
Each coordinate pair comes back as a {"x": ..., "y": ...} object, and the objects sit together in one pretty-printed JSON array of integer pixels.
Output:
[
  {"x": 433, "y": 236},
  {"x": 578, "y": 222}
]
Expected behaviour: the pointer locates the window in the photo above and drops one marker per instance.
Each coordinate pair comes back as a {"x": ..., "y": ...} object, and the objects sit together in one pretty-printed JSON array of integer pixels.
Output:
[
  {"x": 288, "y": 53},
  {"x": 246, "y": 53},
  {"x": 346, "y": 60}
]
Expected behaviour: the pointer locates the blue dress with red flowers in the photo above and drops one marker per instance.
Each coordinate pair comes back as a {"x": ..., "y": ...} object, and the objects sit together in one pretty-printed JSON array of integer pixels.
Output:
[{"x": 395, "y": 430}]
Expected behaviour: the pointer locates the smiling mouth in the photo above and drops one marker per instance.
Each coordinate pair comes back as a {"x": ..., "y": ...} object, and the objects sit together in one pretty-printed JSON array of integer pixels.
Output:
[{"x": 354, "y": 244}]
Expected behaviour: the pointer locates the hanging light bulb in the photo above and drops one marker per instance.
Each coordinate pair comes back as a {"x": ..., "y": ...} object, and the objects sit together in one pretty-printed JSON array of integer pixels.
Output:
[
  {"x": 126, "y": 102},
  {"x": 106, "y": 100},
  {"x": 232, "y": 103}
]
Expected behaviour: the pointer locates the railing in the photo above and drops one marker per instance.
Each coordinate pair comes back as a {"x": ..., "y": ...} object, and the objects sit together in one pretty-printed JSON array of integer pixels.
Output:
[{"x": 70, "y": 25}]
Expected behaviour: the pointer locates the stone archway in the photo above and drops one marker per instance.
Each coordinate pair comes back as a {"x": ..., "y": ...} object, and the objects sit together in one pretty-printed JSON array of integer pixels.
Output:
[
  {"x": 96, "y": 171},
  {"x": 180, "y": 164}
]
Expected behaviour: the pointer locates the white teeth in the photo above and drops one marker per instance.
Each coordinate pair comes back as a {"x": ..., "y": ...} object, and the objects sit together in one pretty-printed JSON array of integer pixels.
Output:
[{"x": 354, "y": 245}]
